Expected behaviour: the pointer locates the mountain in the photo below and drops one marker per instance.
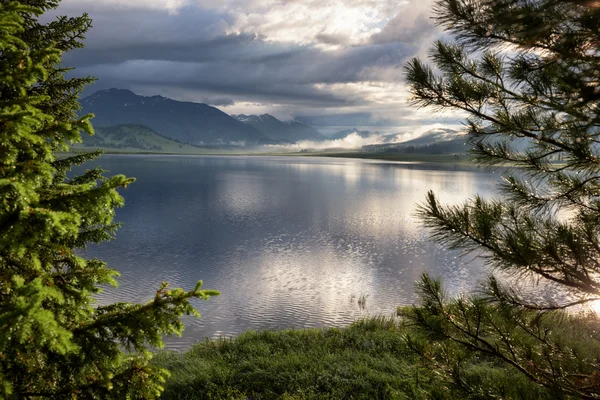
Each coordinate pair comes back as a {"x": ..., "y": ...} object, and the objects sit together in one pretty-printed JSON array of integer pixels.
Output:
[
  {"x": 301, "y": 131},
  {"x": 267, "y": 124},
  {"x": 186, "y": 122},
  {"x": 132, "y": 138},
  {"x": 347, "y": 132},
  {"x": 291, "y": 131}
]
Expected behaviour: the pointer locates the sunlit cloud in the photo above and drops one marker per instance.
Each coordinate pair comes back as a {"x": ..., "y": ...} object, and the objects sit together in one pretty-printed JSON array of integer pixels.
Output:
[
  {"x": 329, "y": 25},
  {"x": 171, "y": 6},
  {"x": 350, "y": 142}
]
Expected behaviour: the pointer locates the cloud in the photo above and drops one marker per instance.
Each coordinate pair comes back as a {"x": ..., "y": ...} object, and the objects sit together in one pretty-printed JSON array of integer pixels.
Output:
[
  {"x": 412, "y": 23},
  {"x": 218, "y": 101},
  {"x": 304, "y": 22},
  {"x": 287, "y": 57},
  {"x": 344, "y": 119},
  {"x": 172, "y": 6},
  {"x": 352, "y": 141}
]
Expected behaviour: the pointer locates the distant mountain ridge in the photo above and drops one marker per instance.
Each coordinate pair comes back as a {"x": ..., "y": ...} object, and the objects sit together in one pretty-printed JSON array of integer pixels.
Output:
[
  {"x": 118, "y": 110},
  {"x": 187, "y": 122},
  {"x": 289, "y": 131}
]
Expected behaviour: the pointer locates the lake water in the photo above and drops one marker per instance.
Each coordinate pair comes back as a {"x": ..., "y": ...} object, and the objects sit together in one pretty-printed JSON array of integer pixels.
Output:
[{"x": 291, "y": 242}]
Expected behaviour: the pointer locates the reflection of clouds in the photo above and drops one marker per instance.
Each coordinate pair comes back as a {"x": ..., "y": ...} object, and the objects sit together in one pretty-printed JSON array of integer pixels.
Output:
[
  {"x": 287, "y": 240},
  {"x": 382, "y": 197},
  {"x": 351, "y": 173},
  {"x": 297, "y": 280},
  {"x": 321, "y": 273},
  {"x": 451, "y": 187},
  {"x": 241, "y": 192},
  {"x": 334, "y": 172}
]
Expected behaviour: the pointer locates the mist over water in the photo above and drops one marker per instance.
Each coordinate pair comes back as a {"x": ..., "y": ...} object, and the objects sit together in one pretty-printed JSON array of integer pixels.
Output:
[
  {"x": 290, "y": 242},
  {"x": 350, "y": 142}
]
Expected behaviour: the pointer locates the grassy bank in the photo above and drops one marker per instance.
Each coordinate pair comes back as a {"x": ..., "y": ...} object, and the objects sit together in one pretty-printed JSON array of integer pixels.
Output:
[{"x": 367, "y": 360}]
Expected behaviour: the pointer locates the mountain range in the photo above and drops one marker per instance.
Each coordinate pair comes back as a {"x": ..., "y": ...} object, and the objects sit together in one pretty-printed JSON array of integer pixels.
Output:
[
  {"x": 125, "y": 120},
  {"x": 192, "y": 123},
  {"x": 187, "y": 122}
]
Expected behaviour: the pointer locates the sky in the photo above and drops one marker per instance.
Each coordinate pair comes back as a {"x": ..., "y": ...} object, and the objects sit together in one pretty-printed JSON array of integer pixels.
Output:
[{"x": 334, "y": 62}]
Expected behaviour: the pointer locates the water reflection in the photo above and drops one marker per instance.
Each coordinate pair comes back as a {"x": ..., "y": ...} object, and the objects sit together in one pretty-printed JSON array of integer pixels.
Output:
[{"x": 287, "y": 241}]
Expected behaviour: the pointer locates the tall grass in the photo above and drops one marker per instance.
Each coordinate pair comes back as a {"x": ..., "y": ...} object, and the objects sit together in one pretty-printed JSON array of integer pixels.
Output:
[{"x": 370, "y": 359}]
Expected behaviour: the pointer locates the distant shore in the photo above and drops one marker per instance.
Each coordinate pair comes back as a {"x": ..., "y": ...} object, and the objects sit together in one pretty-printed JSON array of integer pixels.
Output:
[
  {"x": 400, "y": 157},
  {"x": 429, "y": 158}
]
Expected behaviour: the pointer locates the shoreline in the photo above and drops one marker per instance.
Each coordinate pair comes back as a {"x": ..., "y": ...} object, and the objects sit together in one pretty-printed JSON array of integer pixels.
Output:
[{"x": 457, "y": 159}]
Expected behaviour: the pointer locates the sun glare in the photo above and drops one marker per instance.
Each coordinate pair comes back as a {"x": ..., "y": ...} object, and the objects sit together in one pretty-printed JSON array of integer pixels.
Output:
[{"x": 595, "y": 307}]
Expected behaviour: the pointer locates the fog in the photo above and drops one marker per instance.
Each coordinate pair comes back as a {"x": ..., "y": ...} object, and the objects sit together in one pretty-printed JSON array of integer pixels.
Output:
[{"x": 351, "y": 142}]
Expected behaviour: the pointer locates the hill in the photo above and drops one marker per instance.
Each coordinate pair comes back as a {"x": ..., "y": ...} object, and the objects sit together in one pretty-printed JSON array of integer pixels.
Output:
[
  {"x": 133, "y": 138},
  {"x": 194, "y": 123},
  {"x": 435, "y": 141},
  {"x": 434, "y": 136},
  {"x": 290, "y": 131}
]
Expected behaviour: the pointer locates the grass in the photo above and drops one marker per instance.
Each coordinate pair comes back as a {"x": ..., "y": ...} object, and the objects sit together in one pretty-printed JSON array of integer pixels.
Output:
[{"x": 368, "y": 360}]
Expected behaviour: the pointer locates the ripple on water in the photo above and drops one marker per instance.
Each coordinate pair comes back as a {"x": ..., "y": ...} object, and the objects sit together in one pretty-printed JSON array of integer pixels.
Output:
[{"x": 290, "y": 243}]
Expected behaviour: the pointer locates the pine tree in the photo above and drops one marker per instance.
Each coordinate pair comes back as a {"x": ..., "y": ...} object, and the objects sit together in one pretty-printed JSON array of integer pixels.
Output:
[
  {"x": 527, "y": 75},
  {"x": 55, "y": 342}
]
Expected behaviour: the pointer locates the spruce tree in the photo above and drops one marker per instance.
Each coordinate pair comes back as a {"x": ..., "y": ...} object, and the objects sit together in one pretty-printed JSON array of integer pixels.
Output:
[
  {"x": 55, "y": 341},
  {"x": 526, "y": 73}
]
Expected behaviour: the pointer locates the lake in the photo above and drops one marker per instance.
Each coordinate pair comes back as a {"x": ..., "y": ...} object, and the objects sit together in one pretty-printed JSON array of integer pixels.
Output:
[{"x": 291, "y": 242}]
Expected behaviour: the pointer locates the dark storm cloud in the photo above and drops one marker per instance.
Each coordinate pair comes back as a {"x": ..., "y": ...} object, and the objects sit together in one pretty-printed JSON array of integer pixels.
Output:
[
  {"x": 224, "y": 48},
  {"x": 338, "y": 39},
  {"x": 218, "y": 101},
  {"x": 201, "y": 83},
  {"x": 243, "y": 55},
  {"x": 241, "y": 65}
]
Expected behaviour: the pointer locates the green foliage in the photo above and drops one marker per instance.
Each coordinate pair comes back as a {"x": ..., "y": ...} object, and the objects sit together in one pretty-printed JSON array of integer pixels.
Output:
[
  {"x": 366, "y": 360},
  {"x": 55, "y": 342},
  {"x": 527, "y": 74}
]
